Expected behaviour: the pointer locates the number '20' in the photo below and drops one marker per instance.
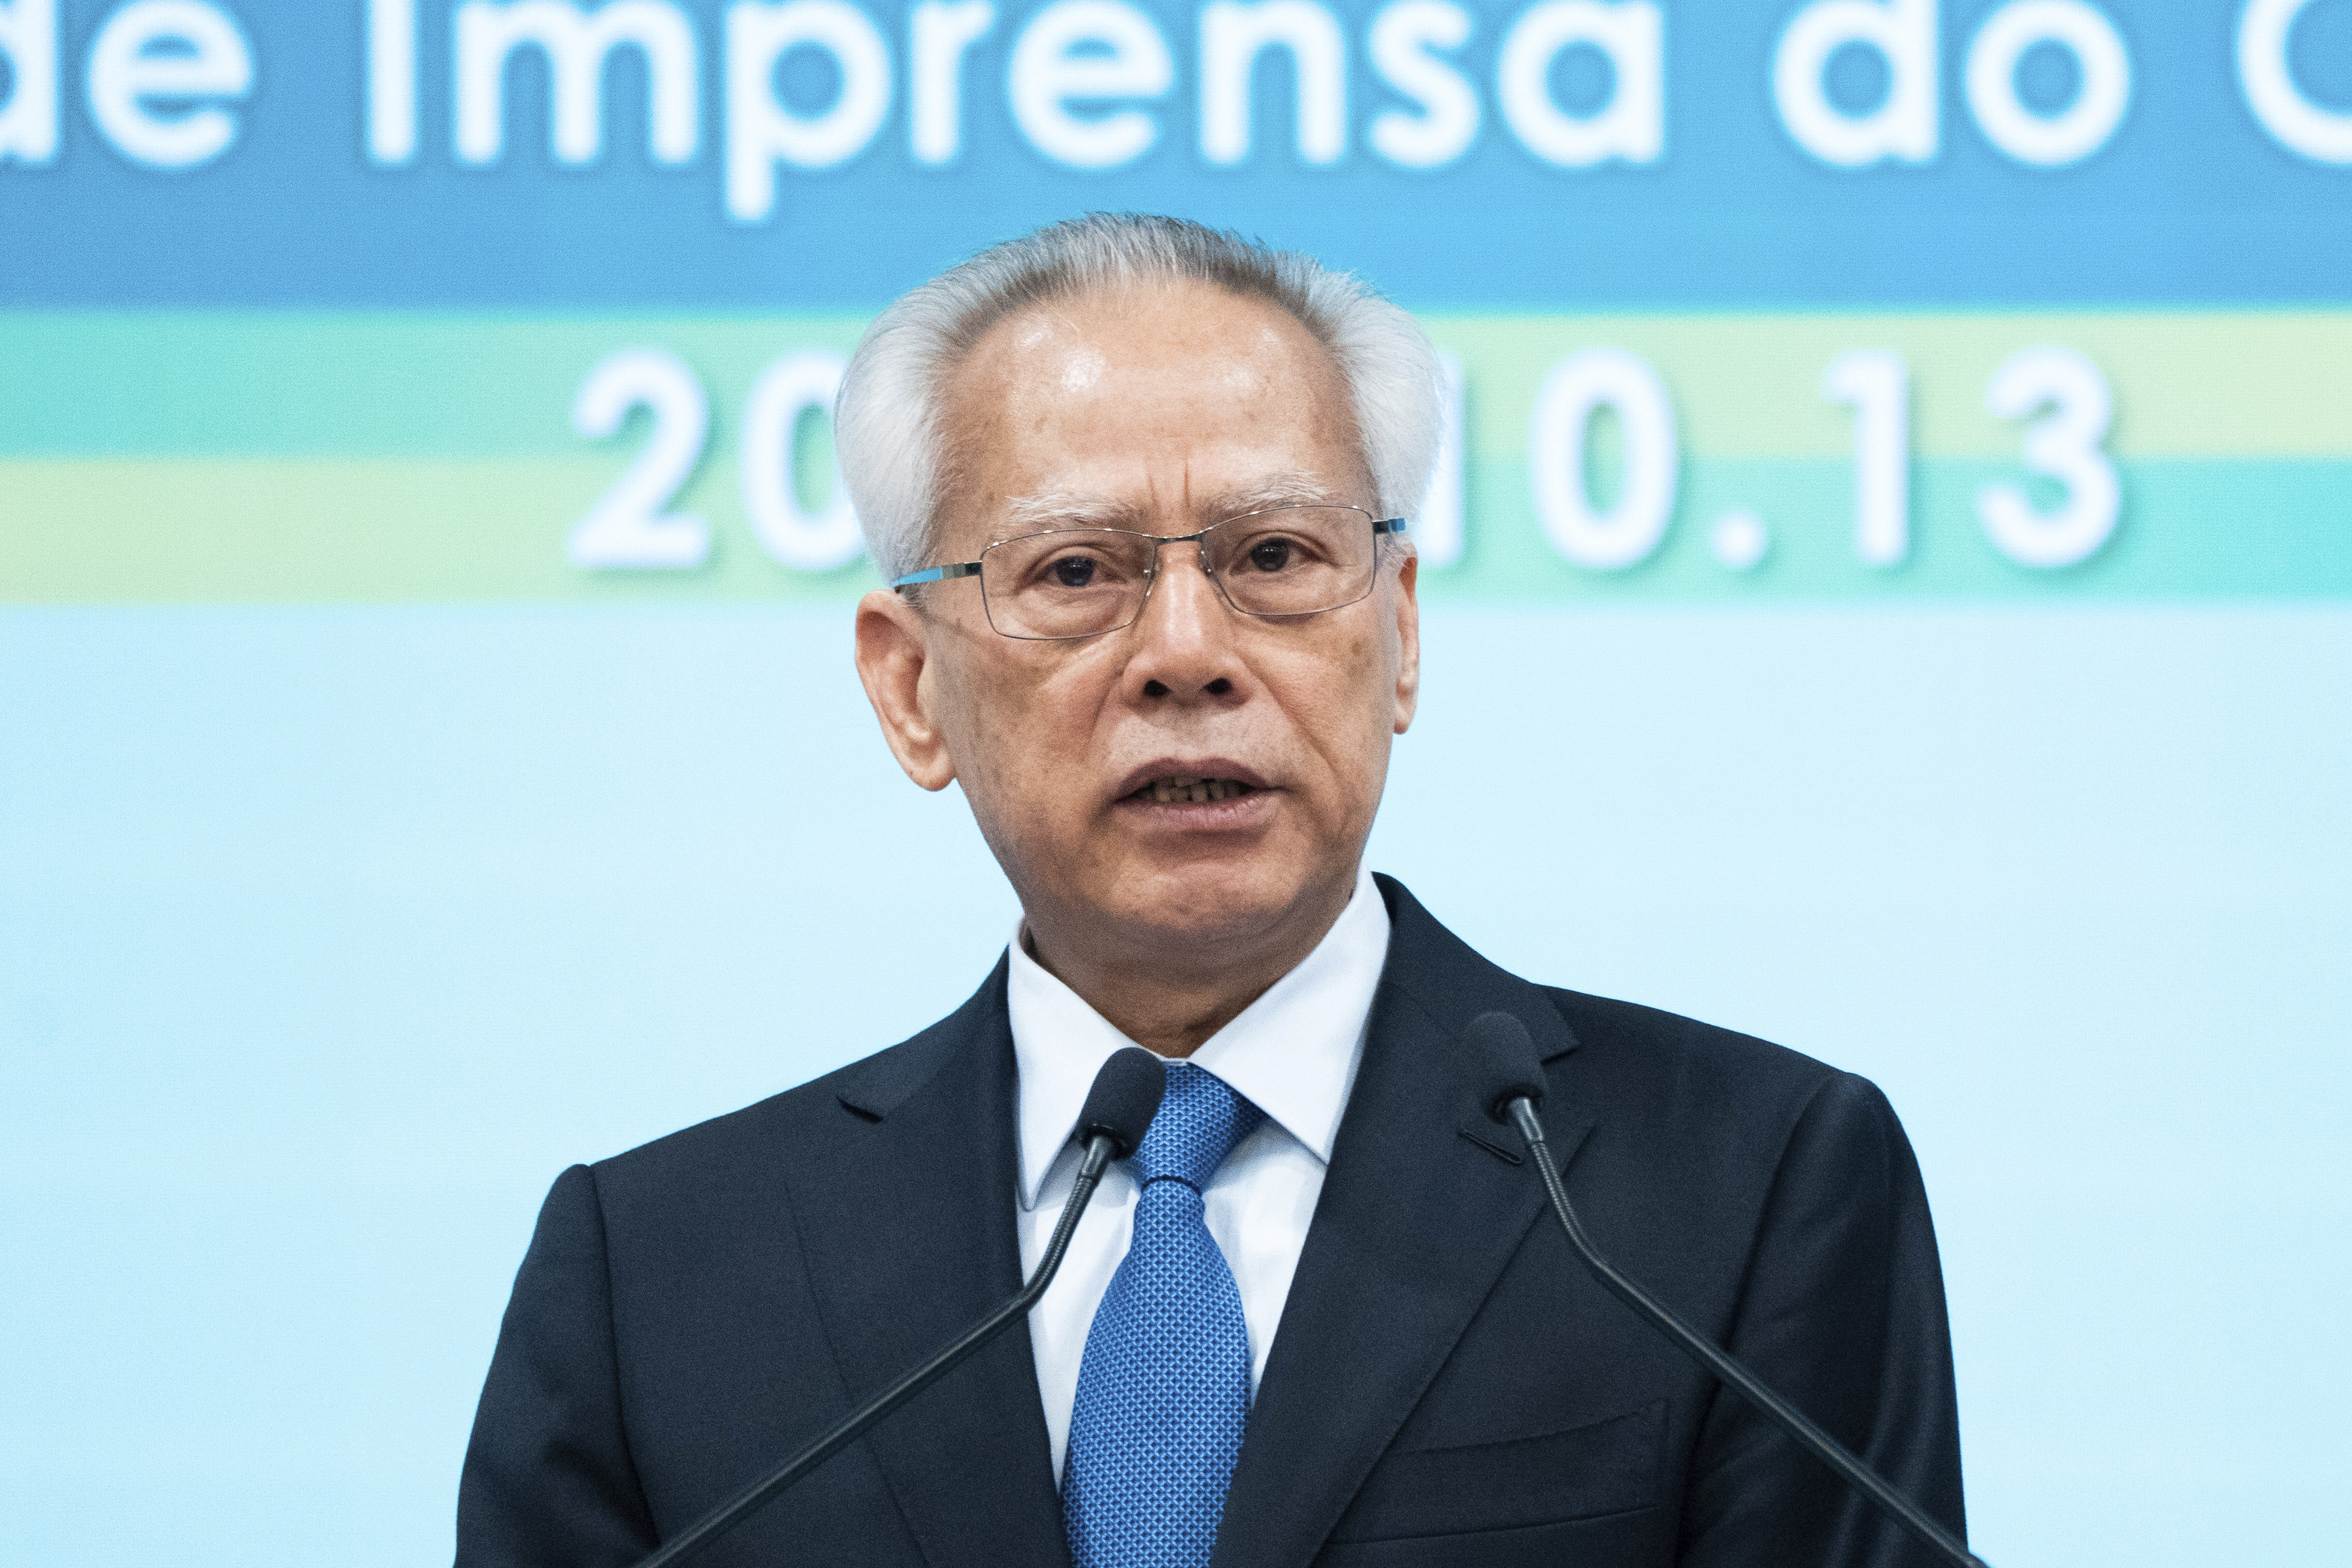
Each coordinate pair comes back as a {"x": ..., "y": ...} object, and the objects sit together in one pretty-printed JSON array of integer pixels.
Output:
[{"x": 631, "y": 524}]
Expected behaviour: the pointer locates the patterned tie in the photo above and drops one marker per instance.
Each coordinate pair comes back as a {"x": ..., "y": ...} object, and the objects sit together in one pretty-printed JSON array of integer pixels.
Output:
[{"x": 1164, "y": 1388}]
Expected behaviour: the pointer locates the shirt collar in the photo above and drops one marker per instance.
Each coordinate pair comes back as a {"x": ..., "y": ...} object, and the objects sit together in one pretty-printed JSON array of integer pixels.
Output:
[{"x": 1292, "y": 1054}]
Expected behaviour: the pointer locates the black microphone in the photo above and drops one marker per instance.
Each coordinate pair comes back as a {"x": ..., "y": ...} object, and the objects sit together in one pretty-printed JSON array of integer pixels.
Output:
[
  {"x": 1118, "y": 1112},
  {"x": 1514, "y": 1072}
]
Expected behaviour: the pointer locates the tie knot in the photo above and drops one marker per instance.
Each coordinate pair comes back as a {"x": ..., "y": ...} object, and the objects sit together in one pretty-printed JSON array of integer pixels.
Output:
[{"x": 1201, "y": 1118}]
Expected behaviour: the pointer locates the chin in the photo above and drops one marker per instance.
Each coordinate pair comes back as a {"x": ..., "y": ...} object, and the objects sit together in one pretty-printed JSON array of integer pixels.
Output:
[{"x": 1209, "y": 899}]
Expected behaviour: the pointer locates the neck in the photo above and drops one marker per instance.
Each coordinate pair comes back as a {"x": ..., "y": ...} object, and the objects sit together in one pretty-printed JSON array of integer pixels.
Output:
[{"x": 1177, "y": 994}]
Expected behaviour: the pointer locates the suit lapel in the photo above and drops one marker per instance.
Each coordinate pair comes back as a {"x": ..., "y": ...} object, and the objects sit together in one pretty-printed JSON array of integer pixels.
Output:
[
  {"x": 909, "y": 1233},
  {"x": 1415, "y": 1224}
]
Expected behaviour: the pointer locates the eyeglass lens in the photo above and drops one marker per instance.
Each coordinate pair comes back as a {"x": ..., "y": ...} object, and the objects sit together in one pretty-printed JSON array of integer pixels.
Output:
[{"x": 1080, "y": 582}]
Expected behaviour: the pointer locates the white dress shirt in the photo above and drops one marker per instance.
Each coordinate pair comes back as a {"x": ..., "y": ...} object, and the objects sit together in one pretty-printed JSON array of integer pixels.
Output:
[{"x": 1292, "y": 1054}]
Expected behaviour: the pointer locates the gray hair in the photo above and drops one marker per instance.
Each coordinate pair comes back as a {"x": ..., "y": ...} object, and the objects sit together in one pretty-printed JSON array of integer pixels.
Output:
[{"x": 887, "y": 421}]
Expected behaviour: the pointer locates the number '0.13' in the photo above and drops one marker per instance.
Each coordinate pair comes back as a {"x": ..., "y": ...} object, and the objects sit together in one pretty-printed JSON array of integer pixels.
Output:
[{"x": 2060, "y": 386}]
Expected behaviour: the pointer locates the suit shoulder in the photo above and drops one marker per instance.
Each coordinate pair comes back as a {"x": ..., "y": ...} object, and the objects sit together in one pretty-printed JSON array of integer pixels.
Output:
[
  {"x": 806, "y": 1120},
  {"x": 1644, "y": 1062},
  {"x": 728, "y": 1154},
  {"x": 800, "y": 1124},
  {"x": 1684, "y": 1057},
  {"x": 1717, "y": 1110}
]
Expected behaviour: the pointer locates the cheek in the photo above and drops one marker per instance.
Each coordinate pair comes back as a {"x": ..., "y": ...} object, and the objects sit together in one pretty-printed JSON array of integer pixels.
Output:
[
  {"x": 1366, "y": 671},
  {"x": 1344, "y": 701},
  {"x": 1022, "y": 730},
  {"x": 969, "y": 693}
]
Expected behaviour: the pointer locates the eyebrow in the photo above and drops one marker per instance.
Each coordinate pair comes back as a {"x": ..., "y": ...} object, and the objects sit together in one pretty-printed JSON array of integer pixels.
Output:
[
  {"x": 1077, "y": 509},
  {"x": 1299, "y": 489},
  {"x": 1070, "y": 509}
]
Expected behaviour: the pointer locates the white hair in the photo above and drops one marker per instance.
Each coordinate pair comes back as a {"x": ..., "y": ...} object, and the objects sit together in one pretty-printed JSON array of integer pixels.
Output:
[{"x": 887, "y": 421}]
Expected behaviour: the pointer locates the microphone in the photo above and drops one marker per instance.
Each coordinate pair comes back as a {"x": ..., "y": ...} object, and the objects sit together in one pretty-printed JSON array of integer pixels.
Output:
[
  {"x": 1506, "y": 1056},
  {"x": 1118, "y": 1112}
]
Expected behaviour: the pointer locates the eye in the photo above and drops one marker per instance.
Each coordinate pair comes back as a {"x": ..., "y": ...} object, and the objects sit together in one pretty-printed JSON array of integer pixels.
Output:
[
  {"x": 1074, "y": 571},
  {"x": 1269, "y": 555}
]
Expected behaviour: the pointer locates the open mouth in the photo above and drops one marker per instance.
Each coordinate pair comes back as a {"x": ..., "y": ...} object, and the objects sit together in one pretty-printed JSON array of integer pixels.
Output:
[{"x": 1184, "y": 789}]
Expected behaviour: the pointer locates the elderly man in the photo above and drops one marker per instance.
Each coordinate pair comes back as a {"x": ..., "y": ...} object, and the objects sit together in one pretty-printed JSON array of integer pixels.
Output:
[{"x": 1139, "y": 487}]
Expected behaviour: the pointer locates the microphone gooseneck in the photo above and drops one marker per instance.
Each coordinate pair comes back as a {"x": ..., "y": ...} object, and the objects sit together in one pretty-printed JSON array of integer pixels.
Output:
[
  {"x": 1118, "y": 1109},
  {"x": 1515, "y": 1084}
]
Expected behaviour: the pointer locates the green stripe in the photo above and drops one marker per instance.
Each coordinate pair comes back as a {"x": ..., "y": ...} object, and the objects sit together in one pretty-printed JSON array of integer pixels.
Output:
[
  {"x": 249, "y": 531},
  {"x": 466, "y": 387},
  {"x": 2188, "y": 529},
  {"x": 242, "y": 384},
  {"x": 2186, "y": 385},
  {"x": 161, "y": 530}
]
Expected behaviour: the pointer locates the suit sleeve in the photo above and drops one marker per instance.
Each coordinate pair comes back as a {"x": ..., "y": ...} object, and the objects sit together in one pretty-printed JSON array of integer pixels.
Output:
[
  {"x": 1842, "y": 1311},
  {"x": 548, "y": 1479}
]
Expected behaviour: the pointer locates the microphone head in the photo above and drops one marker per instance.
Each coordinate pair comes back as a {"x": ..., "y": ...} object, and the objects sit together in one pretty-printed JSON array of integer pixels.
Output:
[
  {"x": 1508, "y": 1068},
  {"x": 1125, "y": 1098}
]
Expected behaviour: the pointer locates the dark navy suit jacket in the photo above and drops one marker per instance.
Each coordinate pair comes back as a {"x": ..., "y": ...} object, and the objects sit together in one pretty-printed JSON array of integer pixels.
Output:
[{"x": 1448, "y": 1387}]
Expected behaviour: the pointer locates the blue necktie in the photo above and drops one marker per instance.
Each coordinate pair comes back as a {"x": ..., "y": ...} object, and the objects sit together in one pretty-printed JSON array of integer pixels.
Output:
[{"x": 1164, "y": 1389}]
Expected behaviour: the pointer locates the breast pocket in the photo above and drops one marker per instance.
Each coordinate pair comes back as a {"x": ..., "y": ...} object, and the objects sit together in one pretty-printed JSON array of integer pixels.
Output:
[{"x": 1584, "y": 1472}]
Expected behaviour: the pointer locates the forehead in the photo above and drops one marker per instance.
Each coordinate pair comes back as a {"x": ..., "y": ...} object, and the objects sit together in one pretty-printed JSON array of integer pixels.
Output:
[{"x": 1161, "y": 402}]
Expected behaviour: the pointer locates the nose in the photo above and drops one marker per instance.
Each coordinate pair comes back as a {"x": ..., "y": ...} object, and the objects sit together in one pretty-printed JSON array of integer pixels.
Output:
[{"x": 1185, "y": 649}]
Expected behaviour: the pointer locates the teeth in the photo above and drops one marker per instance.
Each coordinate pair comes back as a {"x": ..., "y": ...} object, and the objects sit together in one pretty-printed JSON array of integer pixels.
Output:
[{"x": 1184, "y": 789}]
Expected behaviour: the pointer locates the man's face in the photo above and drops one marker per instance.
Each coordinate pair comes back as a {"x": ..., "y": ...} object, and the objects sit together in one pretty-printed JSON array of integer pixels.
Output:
[{"x": 1162, "y": 410}]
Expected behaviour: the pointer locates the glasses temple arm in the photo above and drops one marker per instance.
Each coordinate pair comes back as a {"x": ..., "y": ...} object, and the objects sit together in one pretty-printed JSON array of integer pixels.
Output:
[{"x": 937, "y": 574}]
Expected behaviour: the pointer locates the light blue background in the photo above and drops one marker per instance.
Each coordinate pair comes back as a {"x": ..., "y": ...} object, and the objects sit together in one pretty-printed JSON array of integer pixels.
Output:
[{"x": 328, "y": 936}]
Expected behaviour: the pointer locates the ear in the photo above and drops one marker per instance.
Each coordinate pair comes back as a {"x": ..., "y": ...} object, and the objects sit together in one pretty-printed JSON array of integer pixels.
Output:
[
  {"x": 1408, "y": 614},
  {"x": 894, "y": 664}
]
